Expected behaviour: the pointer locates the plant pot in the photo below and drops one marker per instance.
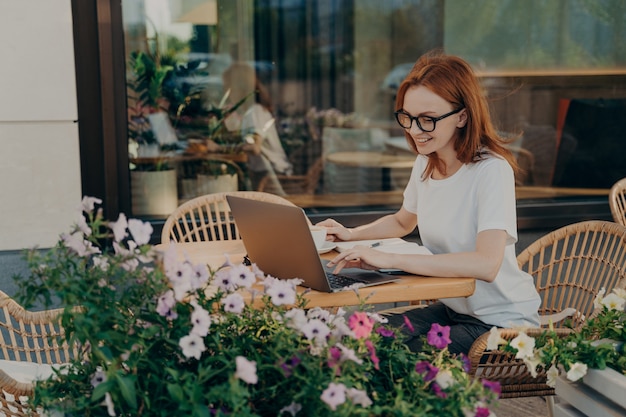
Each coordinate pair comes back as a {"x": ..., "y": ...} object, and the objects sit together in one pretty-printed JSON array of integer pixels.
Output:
[
  {"x": 599, "y": 393},
  {"x": 154, "y": 193},
  {"x": 210, "y": 184}
]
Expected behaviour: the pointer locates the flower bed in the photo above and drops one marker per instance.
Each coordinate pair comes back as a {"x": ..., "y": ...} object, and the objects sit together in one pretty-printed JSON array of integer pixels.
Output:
[{"x": 155, "y": 342}]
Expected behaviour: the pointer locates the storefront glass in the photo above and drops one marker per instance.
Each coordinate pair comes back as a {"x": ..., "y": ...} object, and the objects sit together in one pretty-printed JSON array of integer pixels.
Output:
[{"x": 555, "y": 73}]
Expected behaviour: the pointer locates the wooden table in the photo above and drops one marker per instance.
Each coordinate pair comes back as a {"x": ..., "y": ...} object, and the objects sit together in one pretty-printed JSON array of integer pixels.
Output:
[
  {"x": 368, "y": 159},
  {"x": 409, "y": 288}
]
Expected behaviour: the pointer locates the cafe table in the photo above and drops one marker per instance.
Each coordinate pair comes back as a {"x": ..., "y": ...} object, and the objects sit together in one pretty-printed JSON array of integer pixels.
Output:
[
  {"x": 409, "y": 287},
  {"x": 371, "y": 159}
]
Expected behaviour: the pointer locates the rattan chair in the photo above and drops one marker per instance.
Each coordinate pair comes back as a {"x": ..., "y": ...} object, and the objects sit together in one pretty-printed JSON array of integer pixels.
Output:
[
  {"x": 27, "y": 338},
  {"x": 617, "y": 201},
  {"x": 570, "y": 266},
  {"x": 208, "y": 217}
]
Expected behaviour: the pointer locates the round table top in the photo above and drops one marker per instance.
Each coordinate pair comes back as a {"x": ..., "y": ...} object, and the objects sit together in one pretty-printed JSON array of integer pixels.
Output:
[{"x": 371, "y": 159}]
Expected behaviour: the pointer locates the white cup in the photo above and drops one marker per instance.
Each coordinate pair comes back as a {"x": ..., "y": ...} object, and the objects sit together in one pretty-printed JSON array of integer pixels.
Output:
[{"x": 319, "y": 236}]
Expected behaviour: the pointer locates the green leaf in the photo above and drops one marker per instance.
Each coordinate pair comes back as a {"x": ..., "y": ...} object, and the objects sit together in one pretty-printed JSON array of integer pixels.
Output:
[{"x": 126, "y": 384}]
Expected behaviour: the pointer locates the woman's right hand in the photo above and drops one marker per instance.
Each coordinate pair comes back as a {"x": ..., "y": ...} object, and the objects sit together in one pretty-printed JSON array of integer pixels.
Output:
[{"x": 335, "y": 231}]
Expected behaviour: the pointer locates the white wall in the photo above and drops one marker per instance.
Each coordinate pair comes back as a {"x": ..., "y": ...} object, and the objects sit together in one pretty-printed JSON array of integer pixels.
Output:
[{"x": 40, "y": 187}]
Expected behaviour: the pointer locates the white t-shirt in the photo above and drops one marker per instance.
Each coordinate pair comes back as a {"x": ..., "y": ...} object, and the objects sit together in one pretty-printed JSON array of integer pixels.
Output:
[
  {"x": 452, "y": 211},
  {"x": 259, "y": 120}
]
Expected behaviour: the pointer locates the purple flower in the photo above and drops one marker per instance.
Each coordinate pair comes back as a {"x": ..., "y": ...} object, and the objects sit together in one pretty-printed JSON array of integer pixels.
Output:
[
  {"x": 439, "y": 336},
  {"x": 425, "y": 367},
  {"x": 438, "y": 391},
  {"x": 467, "y": 365},
  {"x": 385, "y": 332},
  {"x": 482, "y": 412},
  {"x": 288, "y": 365},
  {"x": 493, "y": 386},
  {"x": 372, "y": 350}
]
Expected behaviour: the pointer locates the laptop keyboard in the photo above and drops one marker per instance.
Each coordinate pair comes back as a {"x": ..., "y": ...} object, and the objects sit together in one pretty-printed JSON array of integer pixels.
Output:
[{"x": 340, "y": 281}]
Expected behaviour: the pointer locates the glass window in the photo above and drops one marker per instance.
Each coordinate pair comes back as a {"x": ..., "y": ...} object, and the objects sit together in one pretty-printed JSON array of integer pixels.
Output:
[{"x": 297, "y": 98}]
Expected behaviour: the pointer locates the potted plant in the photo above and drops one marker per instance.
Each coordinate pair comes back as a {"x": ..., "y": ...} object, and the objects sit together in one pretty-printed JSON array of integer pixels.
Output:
[
  {"x": 162, "y": 336},
  {"x": 218, "y": 176},
  {"x": 588, "y": 366}
]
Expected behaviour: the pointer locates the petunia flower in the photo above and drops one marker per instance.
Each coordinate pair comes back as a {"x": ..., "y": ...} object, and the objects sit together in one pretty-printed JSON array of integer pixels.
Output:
[
  {"x": 372, "y": 351},
  {"x": 289, "y": 364},
  {"x": 427, "y": 368},
  {"x": 524, "y": 344},
  {"x": 234, "y": 303},
  {"x": 494, "y": 386},
  {"x": 88, "y": 203},
  {"x": 281, "y": 293},
  {"x": 242, "y": 276},
  {"x": 408, "y": 324},
  {"x": 98, "y": 378},
  {"x": 494, "y": 339},
  {"x": 140, "y": 231},
  {"x": 292, "y": 409},
  {"x": 192, "y": 346},
  {"x": 334, "y": 395},
  {"x": 385, "y": 332},
  {"x": 614, "y": 302},
  {"x": 316, "y": 330},
  {"x": 552, "y": 374},
  {"x": 201, "y": 321},
  {"x": 438, "y": 336},
  {"x": 445, "y": 379},
  {"x": 246, "y": 370},
  {"x": 361, "y": 324},
  {"x": 358, "y": 397},
  {"x": 165, "y": 303},
  {"x": 577, "y": 371},
  {"x": 119, "y": 228}
]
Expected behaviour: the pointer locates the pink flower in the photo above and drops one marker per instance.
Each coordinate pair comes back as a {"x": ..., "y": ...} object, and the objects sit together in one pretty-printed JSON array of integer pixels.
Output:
[
  {"x": 408, "y": 324},
  {"x": 361, "y": 324},
  {"x": 425, "y": 367},
  {"x": 482, "y": 412},
  {"x": 439, "y": 336},
  {"x": 372, "y": 350}
]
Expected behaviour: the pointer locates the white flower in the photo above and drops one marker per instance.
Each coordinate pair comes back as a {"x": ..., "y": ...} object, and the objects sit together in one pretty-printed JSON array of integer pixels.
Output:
[
  {"x": 141, "y": 231},
  {"x": 494, "y": 339},
  {"x": 192, "y": 346},
  {"x": 98, "y": 377},
  {"x": 295, "y": 318},
  {"x": 532, "y": 363},
  {"x": 88, "y": 203},
  {"x": 199, "y": 276},
  {"x": 315, "y": 330},
  {"x": 320, "y": 314},
  {"x": 225, "y": 281},
  {"x": 359, "y": 397},
  {"x": 552, "y": 374},
  {"x": 577, "y": 371},
  {"x": 101, "y": 262},
  {"x": 78, "y": 244},
  {"x": 597, "y": 302},
  {"x": 234, "y": 303},
  {"x": 334, "y": 395},
  {"x": 246, "y": 370},
  {"x": 242, "y": 276},
  {"x": 281, "y": 293},
  {"x": 108, "y": 400},
  {"x": 292, "y": 409},
  {"x": 614, "y": 302},
  {"x": 445, "y": 379},
  {"x": 119, "y": 227},
  {"x": 201, "y": 321},
  {"x": 524, "y": 344},
  {"x": 348, "y": 354}
]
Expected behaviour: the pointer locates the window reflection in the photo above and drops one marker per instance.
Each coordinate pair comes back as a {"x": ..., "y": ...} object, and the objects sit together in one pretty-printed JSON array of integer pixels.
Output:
[{"x": 331, "y": 68}]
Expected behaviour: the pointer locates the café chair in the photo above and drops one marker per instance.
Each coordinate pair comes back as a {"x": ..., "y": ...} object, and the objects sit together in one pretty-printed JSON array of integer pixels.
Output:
[
  {"x": 31, "y": 344},
  {"x": 208, "y": 217},
  {"x": 570, "y": 266},
  {"x": 617, "y": 201},
  {"x": 296, "y": 184}
]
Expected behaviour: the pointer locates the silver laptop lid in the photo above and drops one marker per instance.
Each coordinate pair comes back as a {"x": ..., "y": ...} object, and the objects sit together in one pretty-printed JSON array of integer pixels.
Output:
[{"x": 278, "y": 240}]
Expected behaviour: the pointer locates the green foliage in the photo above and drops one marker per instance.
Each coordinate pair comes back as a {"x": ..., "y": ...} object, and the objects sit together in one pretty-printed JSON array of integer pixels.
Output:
[{"x": 160, "y": 336}]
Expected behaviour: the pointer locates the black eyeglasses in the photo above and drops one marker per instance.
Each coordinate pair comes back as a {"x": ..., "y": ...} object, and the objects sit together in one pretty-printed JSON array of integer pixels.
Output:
[{"x": 425, "y": 123}]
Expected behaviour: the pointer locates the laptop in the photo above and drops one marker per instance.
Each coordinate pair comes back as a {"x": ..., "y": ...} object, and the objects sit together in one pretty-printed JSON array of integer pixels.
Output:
[{"x": 278, "y": 240}]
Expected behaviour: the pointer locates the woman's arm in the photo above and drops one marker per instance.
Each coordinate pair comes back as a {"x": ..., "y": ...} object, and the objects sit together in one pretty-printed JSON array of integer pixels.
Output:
[
  {"x": 483, "y": 263},
  {"x": 398, "y": 224}
]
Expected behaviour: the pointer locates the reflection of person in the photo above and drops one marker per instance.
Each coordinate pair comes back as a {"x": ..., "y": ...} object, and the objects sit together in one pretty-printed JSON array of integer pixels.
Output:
[
  {"x": 461, "y": 194},
  {"x": 266, "y": 154}
]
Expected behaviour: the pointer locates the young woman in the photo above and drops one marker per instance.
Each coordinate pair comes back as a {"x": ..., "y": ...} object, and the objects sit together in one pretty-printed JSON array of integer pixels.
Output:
[{"x": 461, "y": 196}]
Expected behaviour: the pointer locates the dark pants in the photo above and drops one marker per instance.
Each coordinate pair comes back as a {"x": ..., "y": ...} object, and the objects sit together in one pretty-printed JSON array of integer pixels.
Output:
[{"x": 463, "y": 329}]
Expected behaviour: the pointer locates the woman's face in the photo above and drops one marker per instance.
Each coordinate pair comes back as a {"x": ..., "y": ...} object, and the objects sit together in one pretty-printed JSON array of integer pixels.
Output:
[{"x": 420, "y": 101}]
